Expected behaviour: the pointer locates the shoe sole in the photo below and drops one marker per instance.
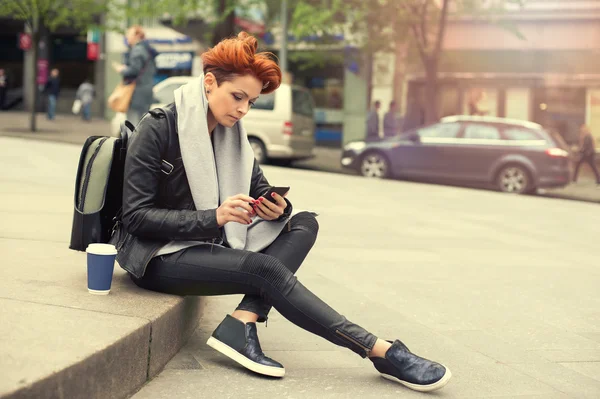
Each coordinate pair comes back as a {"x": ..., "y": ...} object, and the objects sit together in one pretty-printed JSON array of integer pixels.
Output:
[
  {"x": 422, "y": 388},
  {"x": 243, "y": 360}
]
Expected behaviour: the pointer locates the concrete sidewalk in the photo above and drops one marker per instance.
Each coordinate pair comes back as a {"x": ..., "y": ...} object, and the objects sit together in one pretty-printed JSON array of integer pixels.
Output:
[
  {"x": 64, "y": 129},
  {"x": 57, "y": 340}
]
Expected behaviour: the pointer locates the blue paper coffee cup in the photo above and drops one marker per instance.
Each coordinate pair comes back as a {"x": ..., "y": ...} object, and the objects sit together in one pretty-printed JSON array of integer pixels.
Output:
[{"x": 100, "y": 267}]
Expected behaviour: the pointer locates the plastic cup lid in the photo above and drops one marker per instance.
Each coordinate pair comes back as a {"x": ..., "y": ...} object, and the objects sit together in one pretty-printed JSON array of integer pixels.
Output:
[{"x": 101, "y": 249}]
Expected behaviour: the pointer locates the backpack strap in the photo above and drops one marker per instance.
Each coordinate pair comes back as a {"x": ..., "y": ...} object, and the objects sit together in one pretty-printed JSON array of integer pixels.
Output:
[
  {"x": 172, "y": 123},
  {"x": 126, "y": 131}
]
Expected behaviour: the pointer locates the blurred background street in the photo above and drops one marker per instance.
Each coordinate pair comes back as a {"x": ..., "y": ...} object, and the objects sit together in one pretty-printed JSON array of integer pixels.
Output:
[
  {"x": 520, "y": 74},
  {"x": 70, "y": 129}
]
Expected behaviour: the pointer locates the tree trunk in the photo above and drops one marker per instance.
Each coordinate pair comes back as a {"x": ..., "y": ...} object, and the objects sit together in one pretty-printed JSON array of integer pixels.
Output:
[
  {"x": 369, "y": 58},
  {"x": 431, "y": 92},
  {"x": 35, "y": 42},
  {"x": 432, "y": 63},
  {"x": 226, "y": 27},
  {"x": 400, "y": 72}
]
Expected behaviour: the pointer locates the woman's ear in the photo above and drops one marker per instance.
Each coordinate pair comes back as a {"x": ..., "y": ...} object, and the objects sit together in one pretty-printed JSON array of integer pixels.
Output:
[{"x": 209, "y": 81}]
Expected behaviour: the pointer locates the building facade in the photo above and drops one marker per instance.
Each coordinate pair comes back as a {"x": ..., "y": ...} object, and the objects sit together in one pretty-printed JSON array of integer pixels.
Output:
[{"x": 550, "y": 76}]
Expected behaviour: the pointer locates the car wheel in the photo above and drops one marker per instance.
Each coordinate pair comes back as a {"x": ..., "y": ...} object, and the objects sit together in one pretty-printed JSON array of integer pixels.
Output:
[
  {"x": 514, "y": 179},
  {"x": 375, "y": 165},
  {"x": 260, "y": 152}
]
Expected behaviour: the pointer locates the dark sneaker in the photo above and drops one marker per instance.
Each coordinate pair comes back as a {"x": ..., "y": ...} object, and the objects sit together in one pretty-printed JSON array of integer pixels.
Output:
[
  {"x": 239, "y": 342},
  {"x": 410, "y": 370}
]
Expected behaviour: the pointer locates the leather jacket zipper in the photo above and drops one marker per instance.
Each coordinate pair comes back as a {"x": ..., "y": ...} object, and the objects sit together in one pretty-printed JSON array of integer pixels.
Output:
[{"x": 355, "y": 342}]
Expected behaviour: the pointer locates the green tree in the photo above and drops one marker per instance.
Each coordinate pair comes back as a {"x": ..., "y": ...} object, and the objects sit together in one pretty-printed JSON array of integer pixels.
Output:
[
  {"x": 51, "y": 14},
  {"x": 386, "y": 25},
  {"x": 84, "y": 14},
  {"x": 218, "y": 15},
  {"x": 224, "y": 26}
]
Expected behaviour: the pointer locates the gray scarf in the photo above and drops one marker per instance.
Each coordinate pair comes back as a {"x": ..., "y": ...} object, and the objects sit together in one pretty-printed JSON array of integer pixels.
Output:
[{"x": 213, "y": 177}]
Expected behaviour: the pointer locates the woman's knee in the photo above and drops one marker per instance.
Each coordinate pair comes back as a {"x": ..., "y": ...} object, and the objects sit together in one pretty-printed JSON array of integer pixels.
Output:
[
  {"x": 270, "y": 270},
  {"x": 305, "y": 221}
]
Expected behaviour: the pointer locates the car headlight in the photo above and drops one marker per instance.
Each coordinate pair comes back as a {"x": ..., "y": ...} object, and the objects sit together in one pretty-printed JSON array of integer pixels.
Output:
[{"x": 355, "y": 146}]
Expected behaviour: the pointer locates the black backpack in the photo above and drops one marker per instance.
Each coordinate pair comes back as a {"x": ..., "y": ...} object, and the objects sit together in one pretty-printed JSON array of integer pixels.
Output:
[{"x": 99, "y": 186}]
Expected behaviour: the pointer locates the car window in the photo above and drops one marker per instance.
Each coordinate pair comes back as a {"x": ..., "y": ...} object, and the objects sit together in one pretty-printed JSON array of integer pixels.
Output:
[
  {"x": 265, "y": 101},
  {"x": 558, "y": 139},
  {"x": 485, "y": 132},
  {"x": 302, "y": 103},
  {"x": 166, "y": 94},
  {"x": 440, "y": 130},
  {"x": 520, "y": 134}
]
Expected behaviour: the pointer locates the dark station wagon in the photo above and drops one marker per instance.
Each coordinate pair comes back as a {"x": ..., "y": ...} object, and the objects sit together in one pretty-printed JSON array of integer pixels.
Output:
[{"x": 515, "y": 156}]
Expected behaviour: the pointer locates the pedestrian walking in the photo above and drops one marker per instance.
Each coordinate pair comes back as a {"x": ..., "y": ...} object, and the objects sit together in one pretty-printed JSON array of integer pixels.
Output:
[
  {"x": 390, "y": 121},
  {"x": 587, "y": 153},
  {"x": 3, "y": 88},
  {"x": 139, "y": 68},
  {"x": 197, "y": 220},
  {"x": 86, "y": 94},
  {"x": 52, "y": 89},
  {"x": 373, "y": 122}
]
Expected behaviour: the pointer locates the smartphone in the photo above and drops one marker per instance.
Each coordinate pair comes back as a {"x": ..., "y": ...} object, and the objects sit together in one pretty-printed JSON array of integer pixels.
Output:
[{"x": 279, "y": 190}]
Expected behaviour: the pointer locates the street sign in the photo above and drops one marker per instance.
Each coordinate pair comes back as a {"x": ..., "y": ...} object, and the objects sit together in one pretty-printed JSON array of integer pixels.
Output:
[
  {"x": 42, "y": 72},
  {"x": 93, "y": 50},
  {"x": 25, "y": 41},
  {"x": 180, "y": 60},
  {"x": 93, "y": 36}
]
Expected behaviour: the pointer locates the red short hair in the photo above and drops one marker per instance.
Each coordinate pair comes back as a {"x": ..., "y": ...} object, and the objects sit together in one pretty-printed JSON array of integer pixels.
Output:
[{"x": 237, "y": 56}]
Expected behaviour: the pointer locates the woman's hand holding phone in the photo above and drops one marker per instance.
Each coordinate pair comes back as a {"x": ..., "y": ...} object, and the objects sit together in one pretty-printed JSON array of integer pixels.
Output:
[
  {"x": 268, "y": 210},
  {"x": 236, "y": 209}
]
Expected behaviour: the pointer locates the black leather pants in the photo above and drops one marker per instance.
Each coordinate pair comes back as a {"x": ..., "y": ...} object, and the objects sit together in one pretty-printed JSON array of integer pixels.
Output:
[{"x": 267, "y": 279}]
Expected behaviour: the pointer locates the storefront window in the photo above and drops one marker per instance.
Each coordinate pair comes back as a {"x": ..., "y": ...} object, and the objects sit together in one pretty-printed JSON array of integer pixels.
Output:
[
  {"x": 327, "y": 93},
  {"x": 480, "y": 101},
  {"x": 449, "y": 101},
  {"x": 561, "y": 109},
  {"x": 518, "y": 103}
]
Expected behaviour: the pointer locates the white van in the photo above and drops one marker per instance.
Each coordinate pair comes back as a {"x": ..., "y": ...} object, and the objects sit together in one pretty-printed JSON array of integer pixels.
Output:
[{"x": 280, "y": 126}]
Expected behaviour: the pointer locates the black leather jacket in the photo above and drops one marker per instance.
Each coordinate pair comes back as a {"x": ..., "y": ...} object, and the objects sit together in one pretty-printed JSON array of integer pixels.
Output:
[{"x": 157, "y": 202}]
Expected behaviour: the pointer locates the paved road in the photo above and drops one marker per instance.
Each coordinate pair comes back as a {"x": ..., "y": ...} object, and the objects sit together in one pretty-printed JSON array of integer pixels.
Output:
[
  {"x": 502, "y": 289},
  {"x": 586, "y": 189}
]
